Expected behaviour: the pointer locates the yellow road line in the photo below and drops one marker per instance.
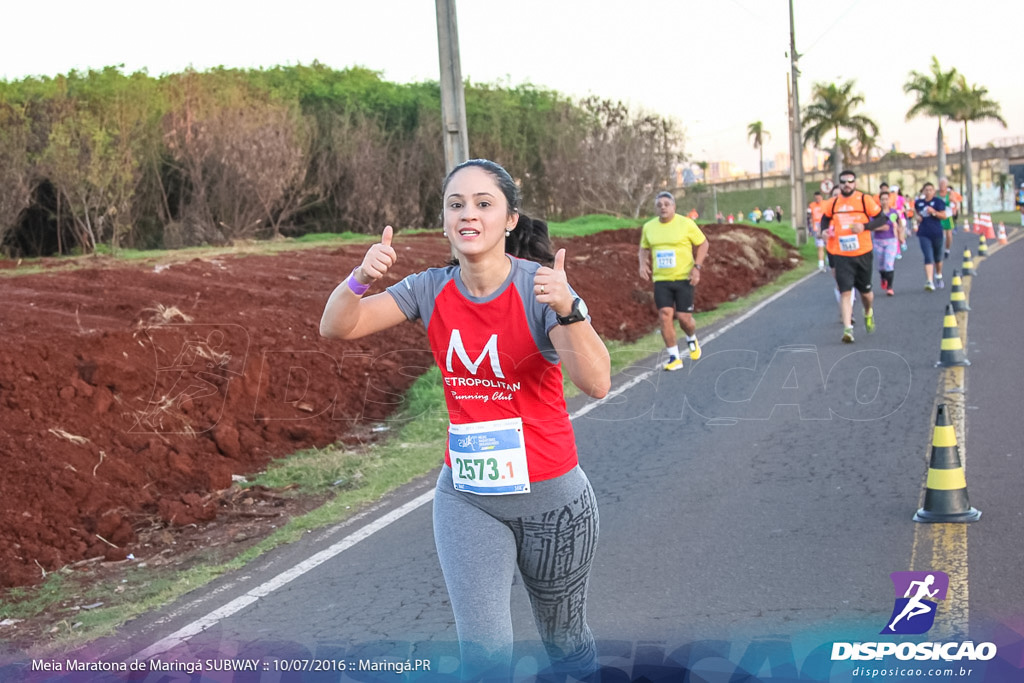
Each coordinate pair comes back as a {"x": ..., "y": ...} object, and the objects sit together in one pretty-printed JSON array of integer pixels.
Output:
[{"x": 943, "y": 547}]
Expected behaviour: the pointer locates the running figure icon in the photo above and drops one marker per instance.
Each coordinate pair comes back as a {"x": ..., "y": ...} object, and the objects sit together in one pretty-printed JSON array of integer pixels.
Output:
[{"x": 915, "y": 606}]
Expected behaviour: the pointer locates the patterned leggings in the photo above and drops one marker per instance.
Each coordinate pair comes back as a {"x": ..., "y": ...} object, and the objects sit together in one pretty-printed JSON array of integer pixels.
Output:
[{"x": 479, "y": 546}]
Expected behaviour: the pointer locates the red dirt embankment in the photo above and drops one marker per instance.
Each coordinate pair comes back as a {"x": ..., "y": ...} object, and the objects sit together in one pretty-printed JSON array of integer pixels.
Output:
[{"x": 130, "y": 393}]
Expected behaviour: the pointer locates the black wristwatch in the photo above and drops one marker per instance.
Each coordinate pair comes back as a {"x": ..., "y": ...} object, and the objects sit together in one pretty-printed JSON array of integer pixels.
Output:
[{"x": 576, "y": 315}]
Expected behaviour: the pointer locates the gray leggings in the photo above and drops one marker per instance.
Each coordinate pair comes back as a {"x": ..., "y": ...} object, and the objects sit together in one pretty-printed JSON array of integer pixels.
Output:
[{"x": 551, "y": 535}]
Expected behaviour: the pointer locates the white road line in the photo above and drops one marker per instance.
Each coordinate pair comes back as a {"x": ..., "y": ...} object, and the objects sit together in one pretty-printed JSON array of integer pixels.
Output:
[
  {"x": 198, "y": 626},
  {"x": 264, "y": 589}
]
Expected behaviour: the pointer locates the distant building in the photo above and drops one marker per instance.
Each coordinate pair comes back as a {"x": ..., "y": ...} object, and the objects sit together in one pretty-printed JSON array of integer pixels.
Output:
[
  {"x": 782, "y": 161},
  {"x": 720, "y": 170}
]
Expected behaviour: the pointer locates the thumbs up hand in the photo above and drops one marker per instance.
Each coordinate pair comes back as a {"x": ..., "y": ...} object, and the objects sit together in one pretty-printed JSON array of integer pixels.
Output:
[
  {"x": 378, "y": 260},
  {"x": 551, "y": 287}
]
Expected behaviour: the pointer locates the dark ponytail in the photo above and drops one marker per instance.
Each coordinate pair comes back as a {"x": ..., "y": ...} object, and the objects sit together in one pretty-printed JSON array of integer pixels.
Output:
[{"x": 529, "y": 240}]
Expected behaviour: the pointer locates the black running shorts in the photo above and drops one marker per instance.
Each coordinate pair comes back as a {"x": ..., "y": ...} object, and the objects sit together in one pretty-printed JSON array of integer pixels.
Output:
[
  {"x": 854, "y": 272},
  {"x": 677, "y": 294}
]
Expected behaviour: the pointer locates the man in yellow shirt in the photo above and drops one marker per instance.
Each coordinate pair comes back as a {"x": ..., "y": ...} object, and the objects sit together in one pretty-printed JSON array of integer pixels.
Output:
[{"x": 672, "y": 253}]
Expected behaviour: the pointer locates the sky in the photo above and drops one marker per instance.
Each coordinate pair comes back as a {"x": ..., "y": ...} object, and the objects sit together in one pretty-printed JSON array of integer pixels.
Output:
[{"x": 714, "y": 66}]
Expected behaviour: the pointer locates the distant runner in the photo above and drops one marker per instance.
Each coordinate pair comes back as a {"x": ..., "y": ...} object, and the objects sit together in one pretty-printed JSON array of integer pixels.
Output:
[
  {"x": 932, "y": 210},
  {"x": 848, "y": 221},
  {"x": 672, "y": 252},
  {"x": 887, "y": 243}
]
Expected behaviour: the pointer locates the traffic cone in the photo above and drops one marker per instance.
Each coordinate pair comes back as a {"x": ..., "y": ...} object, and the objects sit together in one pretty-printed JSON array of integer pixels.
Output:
[
  {"x": 957, "y": 298},
  {"x": 968, "y": 266},
  {"x": 945, "y": 497},
  {"x": 952, "y": 348},
  {"x": 982, "y": 247},
  {"x": 1001, "y": 235}
]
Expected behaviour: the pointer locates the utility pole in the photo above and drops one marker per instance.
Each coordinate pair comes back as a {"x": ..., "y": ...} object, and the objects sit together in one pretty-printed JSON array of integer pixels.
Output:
[
  {"x": 794, "y": 208},
  {"x": 799, "y": 201},
  {"x": 453, "y": 94}
]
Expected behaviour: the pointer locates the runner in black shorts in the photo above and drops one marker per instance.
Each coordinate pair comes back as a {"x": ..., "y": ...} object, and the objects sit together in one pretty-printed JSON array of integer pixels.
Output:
[
  {"x": 672, "y": 253},
  {"x": 854, "y": 272},
  {"x": 675, "y": 294},
  {"x": 848, "y": 220}
]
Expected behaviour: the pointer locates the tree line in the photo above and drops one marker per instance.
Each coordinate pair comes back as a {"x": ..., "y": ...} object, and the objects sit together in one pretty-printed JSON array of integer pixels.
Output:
[
  {"x": 940, "y": 93},
  {"x": 129, "y": 160}
]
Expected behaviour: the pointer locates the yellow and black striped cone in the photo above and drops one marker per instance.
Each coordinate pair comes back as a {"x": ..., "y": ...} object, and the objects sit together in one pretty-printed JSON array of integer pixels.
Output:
[
  {"x": 968, "y": 266},
  {"x": 945, "y": 497},
  {"x": 957, "y": 298},
  {"x": 982, "y": 247},
  {"x": 952, "y": 348}
]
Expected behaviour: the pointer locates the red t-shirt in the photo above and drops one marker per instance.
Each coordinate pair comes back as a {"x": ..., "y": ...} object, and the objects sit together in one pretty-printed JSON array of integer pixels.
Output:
[{"x": 496, "y": 360}]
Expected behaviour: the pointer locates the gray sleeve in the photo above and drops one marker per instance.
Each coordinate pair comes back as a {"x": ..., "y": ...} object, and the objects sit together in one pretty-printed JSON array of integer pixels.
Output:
[
  {"x": 404, "y": 293},
  {"x": 415, "y": 295}
]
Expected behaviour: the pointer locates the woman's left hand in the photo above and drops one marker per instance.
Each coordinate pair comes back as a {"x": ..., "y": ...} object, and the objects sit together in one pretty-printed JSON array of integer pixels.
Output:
[{"x": 551, "y": 287}]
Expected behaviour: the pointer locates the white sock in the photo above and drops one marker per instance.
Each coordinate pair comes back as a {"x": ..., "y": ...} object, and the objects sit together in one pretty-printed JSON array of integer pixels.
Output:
[
  {"x": 938, "y": 276},
  {"x": 673, "y": 350},
  {"x": 821, "y": 264},
  {"x": 691, "y": 338}
]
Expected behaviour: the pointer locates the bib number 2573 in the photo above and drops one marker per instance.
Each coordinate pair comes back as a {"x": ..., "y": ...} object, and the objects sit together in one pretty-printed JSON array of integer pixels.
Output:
[{"x": 489, "y": 458}]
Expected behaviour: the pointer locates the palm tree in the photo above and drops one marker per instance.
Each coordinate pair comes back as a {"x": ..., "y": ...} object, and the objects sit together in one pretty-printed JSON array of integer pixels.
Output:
[
  {"x": 832, "y": 108},
  {"x": 972, "y": 103},
  {"x": 757, "y": 134},
  {"x": 1002, "y": 180},
  {"x": 703, "y": 166},
  {"x": 934, "y": 92}
]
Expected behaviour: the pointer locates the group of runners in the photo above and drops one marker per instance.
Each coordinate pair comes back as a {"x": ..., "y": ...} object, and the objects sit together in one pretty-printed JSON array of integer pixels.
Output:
[
  {"x": 857, "y": 233},
  {"x": 503, "y": 322}
]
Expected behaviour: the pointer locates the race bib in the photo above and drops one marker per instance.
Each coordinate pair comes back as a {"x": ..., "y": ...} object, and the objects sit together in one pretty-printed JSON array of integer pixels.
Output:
[
  {"x": 848, "y": 243},
  {"x": 489, "y": 458},
  {"x": 665, "y": 258}
]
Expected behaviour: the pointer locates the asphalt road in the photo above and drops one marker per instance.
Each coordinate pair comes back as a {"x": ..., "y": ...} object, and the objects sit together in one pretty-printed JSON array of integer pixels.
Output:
[{"x": 752, "y": 508}]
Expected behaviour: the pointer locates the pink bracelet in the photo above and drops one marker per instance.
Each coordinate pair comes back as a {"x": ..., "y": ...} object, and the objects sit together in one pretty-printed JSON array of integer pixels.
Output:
[{"x": 357, "y": 287}]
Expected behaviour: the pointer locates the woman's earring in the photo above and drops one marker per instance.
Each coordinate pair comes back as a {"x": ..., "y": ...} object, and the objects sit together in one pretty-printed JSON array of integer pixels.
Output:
[
  {"x": 507, "y": 233},
  {"x": 444, "y": 233}
]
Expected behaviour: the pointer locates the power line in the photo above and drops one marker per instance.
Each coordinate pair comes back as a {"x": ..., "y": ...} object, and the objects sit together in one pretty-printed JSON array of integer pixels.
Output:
[{"x": 831, "y": 26}]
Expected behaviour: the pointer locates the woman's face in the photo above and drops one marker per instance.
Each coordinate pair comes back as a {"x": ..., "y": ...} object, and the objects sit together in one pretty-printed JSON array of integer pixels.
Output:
[
  {"x": 929, "y": 192},
  {"x": 476, "y": 213}
]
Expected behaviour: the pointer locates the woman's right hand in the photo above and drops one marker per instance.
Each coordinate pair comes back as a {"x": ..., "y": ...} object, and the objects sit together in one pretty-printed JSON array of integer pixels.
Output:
[{"x": 378, "y": 260}]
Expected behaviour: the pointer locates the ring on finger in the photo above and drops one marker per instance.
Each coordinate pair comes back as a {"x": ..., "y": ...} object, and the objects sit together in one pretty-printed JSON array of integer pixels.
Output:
[{"x": 542, "y": 289}]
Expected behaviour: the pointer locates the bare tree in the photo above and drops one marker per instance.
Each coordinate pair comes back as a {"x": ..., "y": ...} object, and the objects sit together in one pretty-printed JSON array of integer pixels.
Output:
[
  {"x": 15, "y": 187},
  {"x": 625, "y": 157},
  {"x": 244, "y": 157}
]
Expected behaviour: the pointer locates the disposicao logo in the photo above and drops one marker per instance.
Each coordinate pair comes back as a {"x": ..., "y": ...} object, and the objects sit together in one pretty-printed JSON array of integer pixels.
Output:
[
  {"x": 917, "y": 596},
  {"x": 917, "y": 599}
]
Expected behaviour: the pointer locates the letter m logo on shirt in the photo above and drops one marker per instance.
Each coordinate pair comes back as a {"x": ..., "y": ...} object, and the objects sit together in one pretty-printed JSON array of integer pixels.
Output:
[{"x": 456, "y": 347}]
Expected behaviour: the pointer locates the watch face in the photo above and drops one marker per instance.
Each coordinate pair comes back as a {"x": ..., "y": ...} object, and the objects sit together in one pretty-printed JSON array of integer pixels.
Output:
[{"x": 582, "y": 308}]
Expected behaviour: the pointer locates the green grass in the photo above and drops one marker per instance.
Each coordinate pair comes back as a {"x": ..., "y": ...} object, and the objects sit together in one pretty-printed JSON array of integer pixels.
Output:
[
  {"x": 1009, "y": 218},
  {"x": 588, "y": 225},
  {"x": 741, "y": 201}
]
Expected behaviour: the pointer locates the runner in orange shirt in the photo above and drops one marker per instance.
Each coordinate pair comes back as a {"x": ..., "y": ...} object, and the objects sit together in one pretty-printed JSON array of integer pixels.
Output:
[
  {"x": 848, "y": 221},
  {"x": 814, "y": 212}
]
